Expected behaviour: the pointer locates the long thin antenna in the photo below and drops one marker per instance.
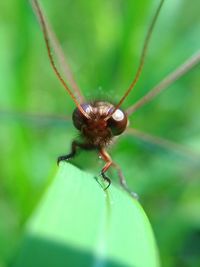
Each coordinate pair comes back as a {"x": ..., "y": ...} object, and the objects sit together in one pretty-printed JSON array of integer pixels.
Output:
[
  {"x": 166, "y": 82},
  {"x": 37, "y": 7},
  {"x": 142, "y": 58}
]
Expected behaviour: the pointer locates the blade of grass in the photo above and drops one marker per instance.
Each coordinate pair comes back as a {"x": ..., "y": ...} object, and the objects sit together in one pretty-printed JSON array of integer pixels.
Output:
[{"x": 77, "y": 223}]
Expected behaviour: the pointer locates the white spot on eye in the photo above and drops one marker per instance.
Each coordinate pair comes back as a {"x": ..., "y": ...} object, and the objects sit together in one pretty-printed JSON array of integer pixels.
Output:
[
  {"x": 118, "y": 115},
  {"x": 88, "y": 109}
]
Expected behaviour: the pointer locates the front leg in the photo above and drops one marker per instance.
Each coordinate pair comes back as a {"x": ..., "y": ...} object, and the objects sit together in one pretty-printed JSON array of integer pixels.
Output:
[
  {"x": 105, "y": 156},
  {"x": 74, "y": 146}
]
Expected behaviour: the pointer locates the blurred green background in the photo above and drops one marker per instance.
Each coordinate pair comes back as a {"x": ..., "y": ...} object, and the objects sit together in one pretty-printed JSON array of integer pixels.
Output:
[{"x": 102, "y": 40}]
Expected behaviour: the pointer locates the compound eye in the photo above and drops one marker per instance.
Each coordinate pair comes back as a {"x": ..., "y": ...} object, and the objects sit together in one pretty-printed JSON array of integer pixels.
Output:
[
  {"x": 78, "y": 118},
  {"x": 118, "y": 122}
]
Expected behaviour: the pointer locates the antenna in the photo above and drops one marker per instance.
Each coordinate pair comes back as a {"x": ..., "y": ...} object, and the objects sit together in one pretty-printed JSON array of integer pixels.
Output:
[
  {"x": 44, "y": 26},
  {"x": 142, "y": 59}
]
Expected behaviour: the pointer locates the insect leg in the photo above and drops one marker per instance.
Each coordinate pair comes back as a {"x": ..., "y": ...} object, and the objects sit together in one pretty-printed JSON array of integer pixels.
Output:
[
  {"x": 105, "y": 156},
  {"x": 123, "y": 182},
  {"x": 171, "y": 146},
  {"x": 75, "y": 145}
]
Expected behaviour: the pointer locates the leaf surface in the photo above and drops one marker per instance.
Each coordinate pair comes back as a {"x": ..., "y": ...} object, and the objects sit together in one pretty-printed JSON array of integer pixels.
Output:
[{"x": 77, "y": 223}]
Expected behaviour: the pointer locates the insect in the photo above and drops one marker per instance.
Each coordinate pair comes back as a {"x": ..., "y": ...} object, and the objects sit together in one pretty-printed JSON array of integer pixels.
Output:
[{"x": 99, "y": 122}]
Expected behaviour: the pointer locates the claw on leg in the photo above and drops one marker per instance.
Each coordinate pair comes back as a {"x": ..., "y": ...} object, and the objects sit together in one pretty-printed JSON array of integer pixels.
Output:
[
  {"x": 106, "y": 179},
  {"x": 63, "y": 158},
  {"x": 75, "y": 144}
]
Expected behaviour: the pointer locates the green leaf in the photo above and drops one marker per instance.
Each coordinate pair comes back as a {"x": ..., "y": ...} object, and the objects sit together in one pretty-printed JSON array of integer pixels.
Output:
[{"x": 77, "y": 223}]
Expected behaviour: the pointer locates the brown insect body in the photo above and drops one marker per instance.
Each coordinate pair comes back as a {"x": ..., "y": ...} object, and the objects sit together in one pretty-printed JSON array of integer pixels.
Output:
[{"x": 97, "y": 131}]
